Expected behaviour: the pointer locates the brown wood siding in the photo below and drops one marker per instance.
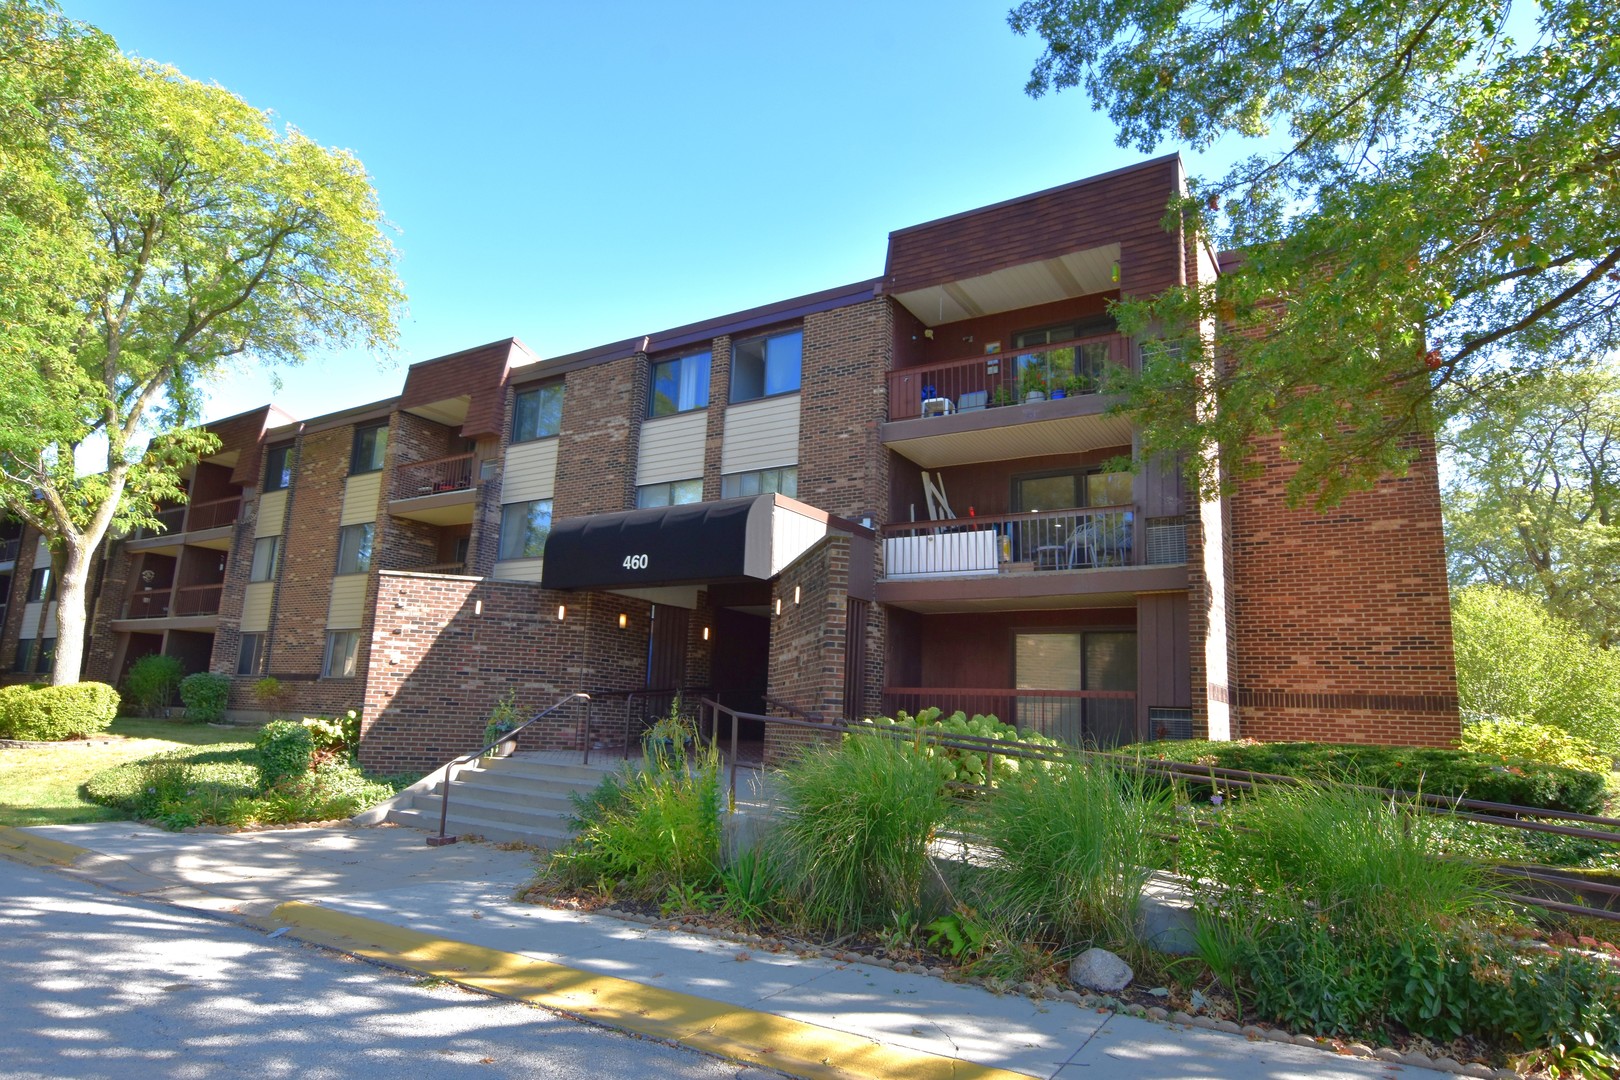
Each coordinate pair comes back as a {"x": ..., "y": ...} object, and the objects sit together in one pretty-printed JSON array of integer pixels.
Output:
[
  {"x": 986, "y": 487},
  {"x": 1126, "y": 207},
  {"x": 1161, "y": 488},
  {"x": 1163, "y": 653},
  {"x": 977, "y": 650}
]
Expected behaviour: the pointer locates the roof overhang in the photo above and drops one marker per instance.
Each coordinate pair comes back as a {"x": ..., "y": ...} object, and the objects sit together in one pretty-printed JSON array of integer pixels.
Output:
[
  {"x": 698, "y": 543},
  {"x": 1078, "y": 273}
]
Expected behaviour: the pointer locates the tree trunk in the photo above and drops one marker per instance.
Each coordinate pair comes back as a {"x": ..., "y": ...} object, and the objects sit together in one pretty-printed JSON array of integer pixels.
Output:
[{"x": 79, "y": 556}]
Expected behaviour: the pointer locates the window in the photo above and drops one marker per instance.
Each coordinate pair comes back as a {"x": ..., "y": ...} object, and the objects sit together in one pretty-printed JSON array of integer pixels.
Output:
[
  {"x": 342, "y": 654},
  {"x": 537, "y": 413},
  {"x": 354, "y": 548},
  {"x": 266, "y": 554},
  {"x": 674, "y": 493},
  {"x": 370, "y": 444},
  {"x": 41, "y": 585},
  {"x": 783, "y": 481},
  {"x": 680, "y": 385},
  {"x": 278, "y": 468},
  {"x": 23, "y": 663},
  {"x": 251, "y": 655},
  {"x": 1068, "y": 490},
  {"x": 765, "y": 366},
  {"x": 524, "y": 528}
]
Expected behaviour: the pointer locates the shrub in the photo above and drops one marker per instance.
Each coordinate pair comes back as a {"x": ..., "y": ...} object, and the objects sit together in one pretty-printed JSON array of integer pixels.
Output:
[
  {"x": 335, "y": 734},
  {"x": 152, "y": 682},
  {"x": 651, "y": 832},
  {"x": 52, "y": 713},
  {"x": 858, "y": 821},
  {"x": 158, "y": 786},
  {"x": 1322, "y": 892},
  {"x": 1455, "y": 773},
  {"x": 1526, "y": 740},
  {"x": 1516, "y": 660},
  {"x": 285, "y": 749},
  {"x": 334, "y": 789},
  {"x": 1075, "y": 846},
  {"x": 268, "y": 692},
  {"x": 205, "y": 696},
  {"x": 966, "y": 766}
]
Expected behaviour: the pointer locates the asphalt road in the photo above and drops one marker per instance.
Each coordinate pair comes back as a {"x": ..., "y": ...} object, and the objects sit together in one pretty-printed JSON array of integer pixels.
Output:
[{"x": 95, "y": 984}]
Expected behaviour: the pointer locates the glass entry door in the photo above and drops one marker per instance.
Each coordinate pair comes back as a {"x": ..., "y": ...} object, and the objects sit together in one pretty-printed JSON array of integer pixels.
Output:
[{"x": 1077, "y": 660}]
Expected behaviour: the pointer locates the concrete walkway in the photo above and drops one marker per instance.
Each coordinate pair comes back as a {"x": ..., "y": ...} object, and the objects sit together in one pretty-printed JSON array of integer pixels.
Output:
[{"x": 383, "y": 894}]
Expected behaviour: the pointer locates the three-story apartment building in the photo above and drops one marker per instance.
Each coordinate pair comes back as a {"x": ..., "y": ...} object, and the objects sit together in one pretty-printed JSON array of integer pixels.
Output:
[{"x": 904, "y": 492}]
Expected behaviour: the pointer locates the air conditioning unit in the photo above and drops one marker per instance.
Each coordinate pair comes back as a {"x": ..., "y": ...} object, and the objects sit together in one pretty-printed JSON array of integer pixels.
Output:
[{"x": 1166, "y": 540}]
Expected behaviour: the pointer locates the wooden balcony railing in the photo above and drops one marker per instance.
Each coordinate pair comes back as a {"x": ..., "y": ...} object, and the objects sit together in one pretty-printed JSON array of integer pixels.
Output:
[
  {"x": 1078, "y": 539},
  {"x": 1078, "y": 717},
  {"x": 453, "y": 473},
  {"x": 148, "y": 604},
  {"x": 213, "y": 514},
  {"x": 169, "y": 522},
  {"x": 1063, "y": 369},
  {"x": 197, "y": 599}
]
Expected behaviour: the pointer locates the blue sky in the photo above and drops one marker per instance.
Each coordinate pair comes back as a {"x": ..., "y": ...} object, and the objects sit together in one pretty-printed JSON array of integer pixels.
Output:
[{"x": 574, "y": 174}]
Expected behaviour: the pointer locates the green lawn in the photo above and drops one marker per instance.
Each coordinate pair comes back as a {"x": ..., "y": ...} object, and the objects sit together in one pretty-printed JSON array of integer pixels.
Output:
[{"x": 41, "y": 787}]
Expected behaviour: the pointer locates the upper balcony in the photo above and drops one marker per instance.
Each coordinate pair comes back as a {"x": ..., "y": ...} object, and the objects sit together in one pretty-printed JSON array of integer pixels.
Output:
[
  {"x": 206, "y": 524},
  {"x": 1085, "y": 556},
  {"x": 440, "y": 491},
  {"x": 1002, "y": 406}
]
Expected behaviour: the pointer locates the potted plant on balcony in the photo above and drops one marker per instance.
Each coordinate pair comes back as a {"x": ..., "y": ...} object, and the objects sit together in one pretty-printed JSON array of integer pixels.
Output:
[
  {"x": 503, "y": 719},
  {"x": 1000, "y": 396},
  {"x": 1033, "y": 384},
  {"x": 1080, "y": 384}
]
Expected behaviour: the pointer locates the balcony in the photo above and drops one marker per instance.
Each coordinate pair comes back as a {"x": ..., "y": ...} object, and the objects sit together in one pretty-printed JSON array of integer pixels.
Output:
[
  {"x": 438, "y": 492},
  {"x": 201, "y": 524},
  {"x": 1086, "y": 556},
  {"x": 214, "y": 514},
  {"x": 1009, "y": 405},
  {"x": 197, "y": 599},
  {"x": 149, "y": 604}
]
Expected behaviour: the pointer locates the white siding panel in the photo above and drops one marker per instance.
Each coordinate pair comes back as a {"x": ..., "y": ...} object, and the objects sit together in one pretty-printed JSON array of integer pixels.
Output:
[
  {"x": 272, "y": 513},
  {"x": 761, "y": 435},
  {"x": 519, "y": 569},
  {"x": 348, "y": 607},
  {"x": 360, "y": 496},
  {"x": 531, "y": 471},
  {"x": 256, "y": 606},
  {"x": 30, "y": 623},
  {"x": 672, "y": 448}
]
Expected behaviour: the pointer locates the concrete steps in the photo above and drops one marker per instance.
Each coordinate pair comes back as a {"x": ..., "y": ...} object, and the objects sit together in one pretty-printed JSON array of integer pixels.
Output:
[{"x": 521, "y": 799}]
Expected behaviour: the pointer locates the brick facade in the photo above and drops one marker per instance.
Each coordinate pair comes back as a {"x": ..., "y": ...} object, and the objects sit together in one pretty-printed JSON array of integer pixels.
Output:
[
  {"x": 601, "y": 427},
  {"x": 809, "y": 639},
  {"x": 1342, "y": 618}
]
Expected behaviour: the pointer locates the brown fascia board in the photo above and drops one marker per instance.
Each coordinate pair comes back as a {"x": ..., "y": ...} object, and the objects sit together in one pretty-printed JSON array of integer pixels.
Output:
[
  {"x": 739, "y": 322},
  {"x": 376, "y": 410},
  {"x": 507, "y": 343},
  {"x": 1112, "y": 174}
]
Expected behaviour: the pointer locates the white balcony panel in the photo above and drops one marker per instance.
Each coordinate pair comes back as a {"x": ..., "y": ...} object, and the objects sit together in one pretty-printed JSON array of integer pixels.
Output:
[
  {"x": 531, "y": 471},
  {"x": 761, "y": 435},
  {"x": 954, "y": 554},
  {"x": 672, "y": 447}
]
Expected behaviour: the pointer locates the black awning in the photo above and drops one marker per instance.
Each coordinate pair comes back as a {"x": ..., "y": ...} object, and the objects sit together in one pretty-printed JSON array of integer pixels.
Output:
[{"x": 664, "y": 545}]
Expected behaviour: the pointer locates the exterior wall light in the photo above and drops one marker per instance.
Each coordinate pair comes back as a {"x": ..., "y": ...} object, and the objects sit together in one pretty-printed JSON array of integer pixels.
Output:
[
  {"x": 705, "y": 633},
  {"x": 562, "y": 612},
  {"x": 624, "y": 620},
  {"x": 795, "y": 594},
  {"x": 779, "y": 605}
]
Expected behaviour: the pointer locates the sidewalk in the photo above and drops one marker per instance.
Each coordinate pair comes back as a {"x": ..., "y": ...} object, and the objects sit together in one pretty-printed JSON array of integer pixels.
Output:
[{"x": 383, "y": 894}]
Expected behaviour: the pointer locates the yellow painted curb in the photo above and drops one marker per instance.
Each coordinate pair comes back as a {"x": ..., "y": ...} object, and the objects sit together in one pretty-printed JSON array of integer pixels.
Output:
[
  {"x": 26, "y": 847},
  {"x": 715, "y": 1027}
]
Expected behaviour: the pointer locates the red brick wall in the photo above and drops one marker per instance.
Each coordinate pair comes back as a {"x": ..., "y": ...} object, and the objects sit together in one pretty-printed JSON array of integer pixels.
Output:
[
  {"x": 1342, "y": 619},
  {"x": 715, "y": 434},
  {"x": 601, "y": 426},
  {"x": 444, "y": 649},
  {"x": 808, "y": 641},
  {"x": 842, "y": 403}
]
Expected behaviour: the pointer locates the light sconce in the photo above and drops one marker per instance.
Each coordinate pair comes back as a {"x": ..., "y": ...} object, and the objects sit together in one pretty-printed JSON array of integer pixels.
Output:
[
  {"x": 624, "y": 620},
  {"x": 478, "y": 607},
  {"x": 779, "y": 605},
  {"x": 795, "y": 595},
  {"x": 562, "y": 612},
  {"x": 705, "y": 633}
]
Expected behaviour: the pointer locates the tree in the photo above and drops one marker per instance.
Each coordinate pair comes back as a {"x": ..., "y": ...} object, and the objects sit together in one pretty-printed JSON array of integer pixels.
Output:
[
  {"x": 153, "y": 230},
  {"x": 1444, "y": 207},
  {"x": 1517, "y": 662},
  {"x": 1533, "y": 504}
]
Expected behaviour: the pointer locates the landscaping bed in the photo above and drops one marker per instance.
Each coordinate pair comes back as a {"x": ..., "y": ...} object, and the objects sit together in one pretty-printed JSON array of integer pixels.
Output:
[{"x": 1331, "y": 913}]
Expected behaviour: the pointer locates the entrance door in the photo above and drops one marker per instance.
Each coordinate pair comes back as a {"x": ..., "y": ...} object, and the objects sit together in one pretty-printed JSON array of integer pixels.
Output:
[
  {"x": 1077, "y": 660},
  {"x": 666, "y": 660}
]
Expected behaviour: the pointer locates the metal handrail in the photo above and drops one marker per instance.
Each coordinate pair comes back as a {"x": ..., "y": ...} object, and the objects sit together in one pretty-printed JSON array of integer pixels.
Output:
[{"x": 444, "y": 788}]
